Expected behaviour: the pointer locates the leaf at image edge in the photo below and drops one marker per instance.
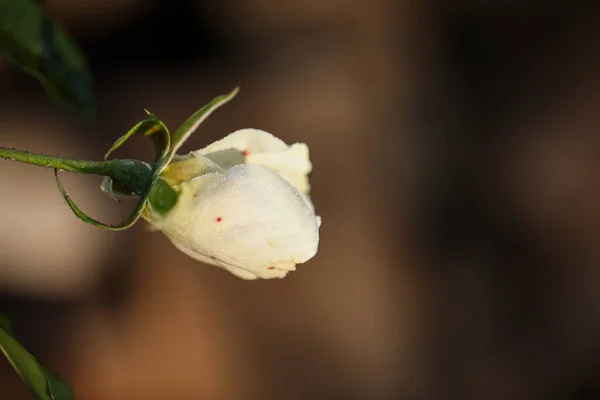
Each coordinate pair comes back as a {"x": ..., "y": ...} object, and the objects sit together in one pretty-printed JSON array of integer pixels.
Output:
[
  {"x": 30, "y": 371},
  {"x": 59, "y": 388},
  {"x": 31, "y": 40},
  {"x": 6, "y": 324}
]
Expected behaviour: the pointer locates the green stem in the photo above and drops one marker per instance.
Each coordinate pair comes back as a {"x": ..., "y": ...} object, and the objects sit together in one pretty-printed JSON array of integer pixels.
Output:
[
  {"x": 135, "y": 175},
  {"x": 42, "y": 160}
]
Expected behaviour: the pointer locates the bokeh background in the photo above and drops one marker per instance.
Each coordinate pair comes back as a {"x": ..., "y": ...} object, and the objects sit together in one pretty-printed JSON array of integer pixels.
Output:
[{"x": 456, "y": 160}]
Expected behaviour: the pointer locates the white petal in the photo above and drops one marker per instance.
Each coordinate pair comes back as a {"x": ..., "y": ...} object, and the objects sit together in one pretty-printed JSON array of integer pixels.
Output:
[
  {"x": 248, "y": 220},
  {"x": 240, "y": 273},
  {"x": 252, "y": 140},
  {"x": 292, "y": 164},
  {"x": 254, "y": 146}
]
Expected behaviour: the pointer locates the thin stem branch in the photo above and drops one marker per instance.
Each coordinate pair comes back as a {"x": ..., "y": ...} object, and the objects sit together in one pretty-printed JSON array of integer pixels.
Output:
[
  {"x": 134, "y": 174},
  {"x": 66, "y": 164}
]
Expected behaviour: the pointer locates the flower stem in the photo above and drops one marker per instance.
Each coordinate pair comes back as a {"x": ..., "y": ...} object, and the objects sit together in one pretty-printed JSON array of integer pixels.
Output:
[
  {"x": 136, "y": 175},
  {"x": 66, "y": 164}
]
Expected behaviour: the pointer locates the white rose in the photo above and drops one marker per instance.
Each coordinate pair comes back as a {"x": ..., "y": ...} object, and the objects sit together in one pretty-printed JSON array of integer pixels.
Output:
[{"x": 243, "y": 205}]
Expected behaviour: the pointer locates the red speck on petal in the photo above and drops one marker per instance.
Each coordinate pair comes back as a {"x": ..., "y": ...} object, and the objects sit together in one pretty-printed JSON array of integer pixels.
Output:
[
  {"x": 270, "y": 267},
  {"x": 219, "y": 219},
  {"x": 245, "y": 152}
]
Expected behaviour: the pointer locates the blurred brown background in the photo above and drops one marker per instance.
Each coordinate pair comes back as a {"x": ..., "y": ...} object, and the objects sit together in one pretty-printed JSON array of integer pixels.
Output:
[{"x": 456, "y": 163}]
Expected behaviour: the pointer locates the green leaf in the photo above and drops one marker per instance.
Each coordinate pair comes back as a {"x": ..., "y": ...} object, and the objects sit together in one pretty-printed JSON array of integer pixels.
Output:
[
  {"x": 44, "y": 384},
  {"x": 191, "y": 124},
  {"x": 31, "y": 40},
  {"x": 5, "y": 324},
  {"x": 60, "y": 389}
]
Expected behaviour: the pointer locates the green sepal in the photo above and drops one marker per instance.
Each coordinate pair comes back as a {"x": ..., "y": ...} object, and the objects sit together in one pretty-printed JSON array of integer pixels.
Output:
[
  {"x": 128, "y": 223},
  {"x": 158, "y": 195},
  {"x": 162, "y": 197},
  {"x": 191, "y": 124},
  {"x": 152, "y": 128},
  {"x": 150, "y": 114},
  {"x": 43, "y": 383}
]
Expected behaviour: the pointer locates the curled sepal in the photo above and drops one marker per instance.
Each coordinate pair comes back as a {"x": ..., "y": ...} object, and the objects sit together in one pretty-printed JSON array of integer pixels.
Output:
[
  {"x": 43, "y": 383},
  {"x": 152, "y": 128},
  {"x": 191, "y": 124},
  {"x": 128, "y": 223}
]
